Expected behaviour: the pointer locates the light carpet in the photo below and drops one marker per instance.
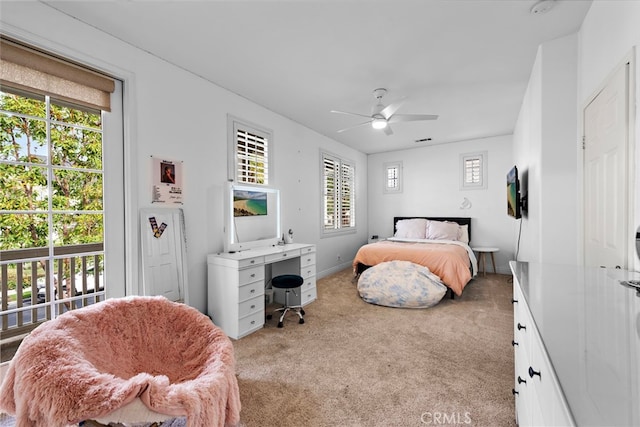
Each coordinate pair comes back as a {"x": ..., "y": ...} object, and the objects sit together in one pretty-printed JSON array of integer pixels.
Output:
[{"x": 357, "y": 364}]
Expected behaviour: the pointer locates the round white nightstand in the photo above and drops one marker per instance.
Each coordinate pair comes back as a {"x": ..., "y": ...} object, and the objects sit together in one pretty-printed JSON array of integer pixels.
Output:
[{"x": 482, "y": 257}]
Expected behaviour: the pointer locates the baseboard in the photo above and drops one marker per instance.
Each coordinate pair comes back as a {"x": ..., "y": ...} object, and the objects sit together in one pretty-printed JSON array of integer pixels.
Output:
[{"x": 332, "y": 270}]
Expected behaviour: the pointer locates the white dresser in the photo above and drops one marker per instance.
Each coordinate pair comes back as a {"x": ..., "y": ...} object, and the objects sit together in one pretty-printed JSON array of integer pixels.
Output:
[
  {"x": 576, "y": 346},
  {"x": 236, "y": 284}
]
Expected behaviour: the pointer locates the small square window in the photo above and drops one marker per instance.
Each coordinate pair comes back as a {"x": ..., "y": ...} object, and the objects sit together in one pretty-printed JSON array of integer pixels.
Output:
[
  {"x": 393, "y": 177},
  {"x": 474, "y": 171}
]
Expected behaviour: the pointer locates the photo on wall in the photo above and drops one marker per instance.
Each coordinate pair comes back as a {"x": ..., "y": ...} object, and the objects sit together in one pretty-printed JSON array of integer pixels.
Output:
[{"x": 249, "y": 203}]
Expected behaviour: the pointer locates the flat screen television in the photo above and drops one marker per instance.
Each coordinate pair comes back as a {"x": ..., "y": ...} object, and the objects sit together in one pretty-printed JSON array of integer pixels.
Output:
[
  {"x": 252, "y": 216},
  {"x": 513, "y": 194}
]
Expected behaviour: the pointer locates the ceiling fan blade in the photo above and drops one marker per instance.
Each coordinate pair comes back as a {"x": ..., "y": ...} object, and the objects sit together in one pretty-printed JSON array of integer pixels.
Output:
[
  {"x": 411, "y": 117},
  {"x": 390, "y": 109},
  {"x": 388, "y": 130},
  {"x": 350, "y": 114},
  {"x": 352, "y": 127}
]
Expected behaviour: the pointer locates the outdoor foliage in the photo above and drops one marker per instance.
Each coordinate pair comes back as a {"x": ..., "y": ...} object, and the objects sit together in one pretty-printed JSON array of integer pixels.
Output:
[
  {"x": 73, "y": 153},
  {"x": 50, "y": 173}
]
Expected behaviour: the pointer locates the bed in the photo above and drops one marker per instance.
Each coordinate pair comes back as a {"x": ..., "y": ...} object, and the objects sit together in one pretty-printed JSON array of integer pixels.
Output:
[{"x": 439, "y": 243}]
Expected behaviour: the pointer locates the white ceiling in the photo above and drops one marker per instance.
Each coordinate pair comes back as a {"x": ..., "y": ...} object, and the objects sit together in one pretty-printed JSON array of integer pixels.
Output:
[{"x": 466, "y": 60}]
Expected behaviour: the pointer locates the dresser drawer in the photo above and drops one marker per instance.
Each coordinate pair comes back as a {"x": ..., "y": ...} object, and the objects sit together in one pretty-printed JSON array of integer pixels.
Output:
[
  {"x": 252, "y": 274},
  {"x": 251, "y": 306},
  {"x": 307, "y": 259},
  {"x": 308, "y": 295},
  {"x": 251, "y": 290},
  {"x": 282, "y": 256},
  {"x": 251, "y": 323}
]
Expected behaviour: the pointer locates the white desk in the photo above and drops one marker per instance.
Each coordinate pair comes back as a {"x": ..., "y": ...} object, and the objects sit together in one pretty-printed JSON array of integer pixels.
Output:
[{"x": 236, "y": 283}]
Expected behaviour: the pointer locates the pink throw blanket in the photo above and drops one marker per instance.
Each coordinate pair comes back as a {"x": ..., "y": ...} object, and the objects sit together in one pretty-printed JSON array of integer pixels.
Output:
[{"x": 91, "y": 361}]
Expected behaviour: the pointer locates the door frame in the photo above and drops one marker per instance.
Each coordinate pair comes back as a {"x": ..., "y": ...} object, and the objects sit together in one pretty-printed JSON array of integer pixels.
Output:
[{"x": 632, "y": 262}]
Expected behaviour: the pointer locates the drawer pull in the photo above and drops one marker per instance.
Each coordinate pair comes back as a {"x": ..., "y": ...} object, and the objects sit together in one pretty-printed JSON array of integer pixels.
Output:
[
  {"x": 521, "y": 326},
  {"x": 253, "y": 322},
  {"x": 284, "y": 255},
  {"x": 253, "y": 275},
  {"x": 514, "y": 392},
  {"x": 252, "y": 291},
  {"x": 513, "y": 301},
  {"x": 532, "y": 372},
  {"x": 253, "y": 261},
  {"x": 253, "y": 306},
  {"x": 513, "y": 343},
  {"x": 520, "y": 380}
]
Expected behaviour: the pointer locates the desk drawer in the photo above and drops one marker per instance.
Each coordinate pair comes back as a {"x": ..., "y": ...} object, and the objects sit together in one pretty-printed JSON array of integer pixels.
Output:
[
  {"x": 251, "y": 323},
  {"x": 308, "y": 296},
  {"x": 252, "y": 274},
  {"x": 251, "y": 306},
  {"x": 308, "y": 271},
  {"x": 281, "y": 256},
  {"x": 247, "y": 262},
  {"x": 251, "y": 290},
  {"x": 308, "y": 250},
  {"x": 307, "y": 259},
  {"x": 309, "y": 283}
]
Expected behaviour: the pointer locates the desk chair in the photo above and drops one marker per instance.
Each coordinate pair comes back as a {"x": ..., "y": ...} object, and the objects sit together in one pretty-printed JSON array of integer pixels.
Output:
[{"x": 289, "y": 282}]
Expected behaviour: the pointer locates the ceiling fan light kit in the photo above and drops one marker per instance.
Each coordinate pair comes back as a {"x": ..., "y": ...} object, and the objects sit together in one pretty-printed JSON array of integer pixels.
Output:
[
  {"x": 379, "y": 123},
  {"x": 382, "y": 115}
]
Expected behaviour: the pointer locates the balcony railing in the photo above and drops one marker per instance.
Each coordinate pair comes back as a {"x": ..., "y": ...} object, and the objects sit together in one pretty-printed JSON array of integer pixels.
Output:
[{"x": 45, "y": 286}]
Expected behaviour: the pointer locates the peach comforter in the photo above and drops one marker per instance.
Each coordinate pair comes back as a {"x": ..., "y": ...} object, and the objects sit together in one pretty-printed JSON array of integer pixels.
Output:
[{"x": 452, "y": 261}]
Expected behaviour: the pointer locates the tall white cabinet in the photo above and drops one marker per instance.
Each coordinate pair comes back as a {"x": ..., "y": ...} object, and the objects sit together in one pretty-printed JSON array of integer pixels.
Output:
[{"x": 237, "y": 281}]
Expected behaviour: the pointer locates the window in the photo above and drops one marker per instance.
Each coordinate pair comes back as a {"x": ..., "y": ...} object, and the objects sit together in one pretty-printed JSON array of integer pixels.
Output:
[
  {"x": 249, "y": 148},
  {"x": 338, "y": 191},
  {"x": 52, "y": 203},
  {"x": 393, "y": 177},
  {"x": 474, "y": 171}
]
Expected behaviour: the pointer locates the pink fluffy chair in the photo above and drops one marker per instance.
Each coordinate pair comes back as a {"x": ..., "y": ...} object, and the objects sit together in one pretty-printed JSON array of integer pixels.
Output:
[{"x": 95, "y": 361}]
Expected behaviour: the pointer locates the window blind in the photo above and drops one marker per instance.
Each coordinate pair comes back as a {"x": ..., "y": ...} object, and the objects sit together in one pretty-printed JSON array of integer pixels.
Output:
[{"x": 26, "y": 68}]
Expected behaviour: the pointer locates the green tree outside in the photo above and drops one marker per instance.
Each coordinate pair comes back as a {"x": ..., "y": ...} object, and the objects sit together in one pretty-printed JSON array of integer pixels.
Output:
[{"x": 50, "y": 158}]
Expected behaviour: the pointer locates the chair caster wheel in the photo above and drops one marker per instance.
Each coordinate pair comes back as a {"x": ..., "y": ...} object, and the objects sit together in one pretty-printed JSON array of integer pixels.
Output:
[
  {"x": 301, "y": 321},
  {"x": 269, "y": 316},
  {"x": 280, "y": 325},
  {"x": 302, "y": 312}
]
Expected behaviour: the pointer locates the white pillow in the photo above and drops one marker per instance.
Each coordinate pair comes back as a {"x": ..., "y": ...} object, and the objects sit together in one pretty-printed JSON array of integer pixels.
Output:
[
  {"x": 463, "y": 233},
  {"x": 438, "y": 230},
  {"x": 414, "y": 228}
]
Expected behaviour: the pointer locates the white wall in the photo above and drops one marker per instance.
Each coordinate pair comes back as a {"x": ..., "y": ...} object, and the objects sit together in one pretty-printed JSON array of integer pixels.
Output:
[
  {"x": 431, "y": 187},
  {"x": 610, "y": 34},
  {"x": 544, "y": 141},
  {"x": 176, "y": 115},
  {"x": 546, "y": 151}
]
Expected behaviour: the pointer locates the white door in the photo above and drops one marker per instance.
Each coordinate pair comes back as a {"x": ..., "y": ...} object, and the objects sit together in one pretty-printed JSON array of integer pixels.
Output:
[
  {"x": 606, "y": 174},
  {"x": 162, "y": 253}
]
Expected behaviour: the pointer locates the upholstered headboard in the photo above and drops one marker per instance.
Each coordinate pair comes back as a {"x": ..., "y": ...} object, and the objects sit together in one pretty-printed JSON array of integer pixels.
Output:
[{"x": 459, "y": 220}]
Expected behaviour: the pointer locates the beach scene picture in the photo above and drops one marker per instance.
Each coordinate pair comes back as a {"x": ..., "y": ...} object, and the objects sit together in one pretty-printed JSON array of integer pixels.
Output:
[{"x": 249, "y": 203}]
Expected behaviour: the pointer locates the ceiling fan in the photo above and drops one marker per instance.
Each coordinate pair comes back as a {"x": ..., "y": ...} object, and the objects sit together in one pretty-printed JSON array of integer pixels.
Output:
[{"x": 383, "y": 116}]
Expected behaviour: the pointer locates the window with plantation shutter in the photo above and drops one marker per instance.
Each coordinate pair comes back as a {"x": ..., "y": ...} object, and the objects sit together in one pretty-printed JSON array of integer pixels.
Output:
[
  {"x": 338, "y": 190},
  {"x": 393, "y": 177},
  {"x": 249, "y": 153},
  {"x": 474, "y": 171}
]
